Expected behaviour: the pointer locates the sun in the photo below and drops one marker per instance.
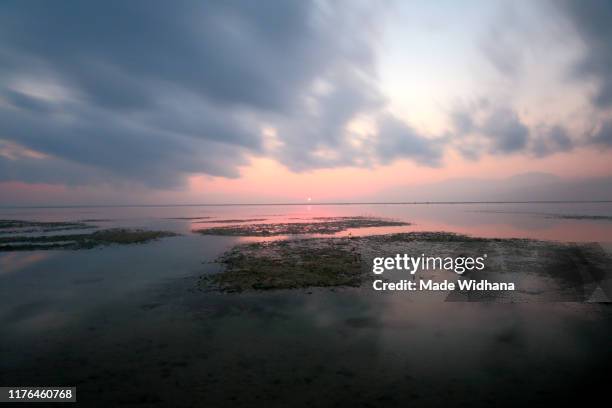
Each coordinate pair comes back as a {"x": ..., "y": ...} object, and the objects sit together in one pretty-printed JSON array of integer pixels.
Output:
[{"x": 309, "y": 199}]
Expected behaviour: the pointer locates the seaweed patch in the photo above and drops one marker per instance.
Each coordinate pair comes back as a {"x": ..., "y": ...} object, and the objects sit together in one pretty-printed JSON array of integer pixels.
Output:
[
  {"x": 327, "y": 226},
  {"x": 119, "y": 236}
]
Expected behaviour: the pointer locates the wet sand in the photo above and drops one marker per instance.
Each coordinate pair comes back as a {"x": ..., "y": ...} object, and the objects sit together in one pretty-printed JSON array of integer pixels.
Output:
[
  {"x": 541, "y": 270},
  {"x": 14, "y": 241},
  {"x": 323, "y": 225}
]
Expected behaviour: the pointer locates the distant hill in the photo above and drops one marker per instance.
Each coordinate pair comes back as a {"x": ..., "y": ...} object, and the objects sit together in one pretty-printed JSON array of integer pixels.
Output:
[{"x": 521, "y": 187}]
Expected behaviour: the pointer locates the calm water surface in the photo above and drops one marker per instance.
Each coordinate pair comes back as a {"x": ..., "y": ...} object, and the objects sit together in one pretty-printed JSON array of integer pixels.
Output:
[{"x": 128, "y": 325}]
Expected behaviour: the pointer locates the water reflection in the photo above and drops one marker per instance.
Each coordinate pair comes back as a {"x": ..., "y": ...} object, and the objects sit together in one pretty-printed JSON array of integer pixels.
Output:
[
  {"x": 15, "y": 261},
  {"x": 133, "y": 315}
]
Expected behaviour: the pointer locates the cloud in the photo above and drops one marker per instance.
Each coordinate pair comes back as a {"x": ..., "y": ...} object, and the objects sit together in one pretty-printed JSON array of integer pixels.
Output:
[
  {"x": 319, "y": 134},
  {"x": 152, "y": 91},
  {"x": 591, "y": 20},
  {"x": 603, "y": 135},
  {"x": 505, "y": 130},
  {"x": 396, "y": 139},
  {"x": 115, "y": 51},
  {"x": 487, "y": 127},
  {"x": 501, "y": 48},
  {"x": 127, "y": 147},
  {"x": 551, "y": 140}
]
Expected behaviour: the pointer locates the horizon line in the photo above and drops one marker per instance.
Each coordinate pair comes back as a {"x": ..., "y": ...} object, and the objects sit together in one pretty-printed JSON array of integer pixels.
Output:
[{"x": 306, "y": 203}]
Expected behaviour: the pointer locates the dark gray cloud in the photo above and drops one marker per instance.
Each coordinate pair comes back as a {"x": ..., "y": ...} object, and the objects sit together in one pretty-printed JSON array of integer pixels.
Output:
[
  {"x": 507, "y": 133},
  {"x": 397, "y": 140},
  {"x": 591, "y": 19},
  {"x": 122, "y": 146},
  {"x": 223, "y": 50},
  {"x": 485, "y": 127},
  {"x": 551, "y": 140},
  {"x": 603, "y": 135},
  {"x": 48, "y": 170},
  {"x": 151, "y": 91}
]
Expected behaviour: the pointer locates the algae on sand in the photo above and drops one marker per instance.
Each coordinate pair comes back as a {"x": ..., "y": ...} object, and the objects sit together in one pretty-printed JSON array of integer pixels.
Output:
[
  {"x": 21, "y": 226},
  {"x": 232, "y": 221},
  {"x": 287, "y": 265},
  {"x": 327, "y": 226},
  {"x": 119, "y": 236},
  {"x": 542, "y": 270}
]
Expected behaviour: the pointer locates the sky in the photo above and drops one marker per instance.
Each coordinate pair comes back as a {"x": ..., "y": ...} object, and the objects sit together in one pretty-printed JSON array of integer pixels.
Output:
[{"x": 155, "y": 102}]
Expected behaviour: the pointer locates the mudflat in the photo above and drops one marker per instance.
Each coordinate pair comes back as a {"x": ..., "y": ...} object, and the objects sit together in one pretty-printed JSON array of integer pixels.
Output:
[
  {"x": 322, "y": 225},
  {"x": 540, "y": 270}
]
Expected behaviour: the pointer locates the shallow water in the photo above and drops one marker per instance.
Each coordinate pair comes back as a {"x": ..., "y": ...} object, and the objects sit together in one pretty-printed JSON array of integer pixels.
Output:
[{"x": 127, "y": 324}]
